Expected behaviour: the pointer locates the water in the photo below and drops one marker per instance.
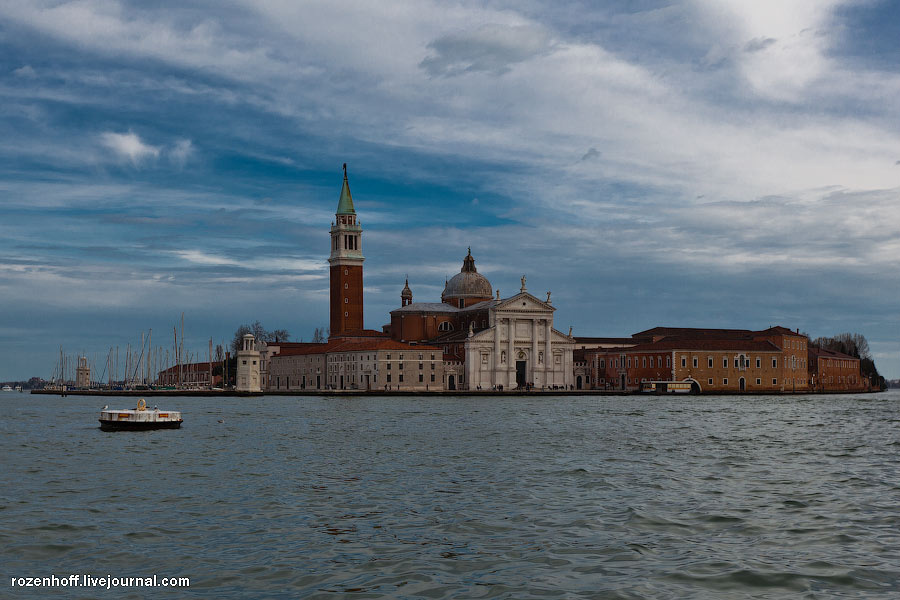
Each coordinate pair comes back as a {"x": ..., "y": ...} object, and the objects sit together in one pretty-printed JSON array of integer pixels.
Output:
[{"x": 583, "y": 497}]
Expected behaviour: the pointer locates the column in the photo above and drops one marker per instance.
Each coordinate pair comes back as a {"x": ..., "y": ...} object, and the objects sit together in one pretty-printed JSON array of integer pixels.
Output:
[
  {"x": 495, "y": 366},
  {"x": 534, "y": 349},
  {"x": 510, "y": 353},
  {"x": 548, "y": 352}
]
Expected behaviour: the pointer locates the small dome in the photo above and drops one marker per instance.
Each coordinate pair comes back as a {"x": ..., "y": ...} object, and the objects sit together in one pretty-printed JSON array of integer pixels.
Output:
[{"x": 468, "y": 283}]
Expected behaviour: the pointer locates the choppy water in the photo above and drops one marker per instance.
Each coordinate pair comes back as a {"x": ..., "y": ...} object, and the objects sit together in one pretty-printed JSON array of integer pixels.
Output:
[{"x": 620, "y": 497}]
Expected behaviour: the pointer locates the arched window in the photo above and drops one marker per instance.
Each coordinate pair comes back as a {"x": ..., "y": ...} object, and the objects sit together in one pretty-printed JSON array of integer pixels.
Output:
[{"x": 445, "y": 326}]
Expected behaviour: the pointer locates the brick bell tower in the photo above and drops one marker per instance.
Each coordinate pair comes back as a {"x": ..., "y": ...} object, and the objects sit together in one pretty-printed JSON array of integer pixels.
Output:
[{"x": 346, "y": 267}]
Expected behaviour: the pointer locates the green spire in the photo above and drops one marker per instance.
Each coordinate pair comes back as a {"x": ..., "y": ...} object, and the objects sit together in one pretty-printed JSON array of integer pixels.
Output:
[{"x": 345, "y": 204}]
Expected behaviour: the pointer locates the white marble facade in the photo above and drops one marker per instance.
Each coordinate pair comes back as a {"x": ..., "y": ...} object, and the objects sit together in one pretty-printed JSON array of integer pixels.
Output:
[{"x": 519, "y": 347}]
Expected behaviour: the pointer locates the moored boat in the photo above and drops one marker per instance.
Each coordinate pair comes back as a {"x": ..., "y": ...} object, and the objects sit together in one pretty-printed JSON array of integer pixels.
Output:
[{"x": 139, "y": 419}]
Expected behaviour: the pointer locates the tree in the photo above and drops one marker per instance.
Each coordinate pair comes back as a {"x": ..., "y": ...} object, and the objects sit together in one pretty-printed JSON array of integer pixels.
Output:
[
  {"x": 855, "y": 345},
  {"x": 279, "y": 335},
  {"x": 319, "y": 336},
  {"x": 260, "y": 334},
  {"x": 238, "y": 341}
]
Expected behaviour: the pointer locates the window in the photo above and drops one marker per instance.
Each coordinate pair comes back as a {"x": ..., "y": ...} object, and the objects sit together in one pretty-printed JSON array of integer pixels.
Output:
[
  {"x": 461, "y": 301},
  {"x": 401, "y": 377},
  {"x": 644, "y": 362},
  {"x": 725, "y": 381},
  {"x": 735, "y": 363},
  {"x": 709, "y": 363},
  {"x": 432, "y": 376},
  {"x": 432, "y": 357},
  {"x": 651, "y": 362},
  {"x": 401, "y": 365},
  {"x": 774, "y": 363},
  {"x": 668, "y": 361},
  {"x": 243, "y": 362},
  {"x": 445, "y": 326},
  {"x": 421, "y": 378},
  {"x": 629, "y": 362},
  {"x": 724, "y": 362},
  {"x": 758, "y": 381},
  {"x": 421, "y": 366},
  {"x": 602, "y": 362},
  {"x": 346, "y": 300},
  {"x": 758, "y": 362},
  {"x": 695, "y": 362},
  {"x": 774, "y": 381},
  {"x": 346, "y": 286},
  {"x": 420, "y": 358},
  {"x": 389, "y": 357},
  {"x": 432, "y": 366},
  {"x": 346, "y": 272},
  {"x": 254, "y": 362},
  {"x": 710, "y": 381},
  {"x": 389, "y": 366},
  {"x": 346, "y": 314},
  {"x": 683, "y": 361}
]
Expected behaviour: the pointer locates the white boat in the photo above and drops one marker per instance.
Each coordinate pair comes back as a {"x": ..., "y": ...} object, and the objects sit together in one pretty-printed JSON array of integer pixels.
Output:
[
  {"x": 139, "y": 419},
  {"x": 6, "y": 388}
]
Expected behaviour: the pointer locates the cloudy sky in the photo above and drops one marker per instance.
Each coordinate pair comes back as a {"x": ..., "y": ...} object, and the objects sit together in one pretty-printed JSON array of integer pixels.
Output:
[{"x": 716, "y": 163}]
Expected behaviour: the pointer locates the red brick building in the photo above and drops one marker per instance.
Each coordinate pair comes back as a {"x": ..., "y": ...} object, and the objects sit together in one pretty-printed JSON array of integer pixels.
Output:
[
  {"x": 731, "y": 360},
  {"x": 831, "y": 371}
]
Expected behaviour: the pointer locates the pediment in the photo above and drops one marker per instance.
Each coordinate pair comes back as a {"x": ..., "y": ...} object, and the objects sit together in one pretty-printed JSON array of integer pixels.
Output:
[{"x": 524, "y": 302}]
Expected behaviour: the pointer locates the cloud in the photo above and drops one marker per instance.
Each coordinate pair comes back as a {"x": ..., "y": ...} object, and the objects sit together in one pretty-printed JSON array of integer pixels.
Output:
[
  {"x": 129, "y": 145},
  {"x": 181, "y": 152},
  {"x": 757, "y": 44},
  {"x": 26, "y": 71},
  {"x": 490, "y": 48},
  {"x": 592, "y": 153}
]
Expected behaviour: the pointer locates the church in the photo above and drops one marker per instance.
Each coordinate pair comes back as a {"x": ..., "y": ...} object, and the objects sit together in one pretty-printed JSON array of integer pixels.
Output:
[
  {"x": 471, "y": 340},
  {"x": 489, "y": 343}
]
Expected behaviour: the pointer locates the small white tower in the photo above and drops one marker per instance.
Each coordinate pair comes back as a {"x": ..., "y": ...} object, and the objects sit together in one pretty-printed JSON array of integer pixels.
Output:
[
  {"x": 248, "y": 366},
  {"x": 83, "y": 373}
]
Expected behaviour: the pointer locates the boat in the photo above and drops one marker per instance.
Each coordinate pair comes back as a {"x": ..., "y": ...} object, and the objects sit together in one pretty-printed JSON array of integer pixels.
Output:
[
  {"x": 667, "y": 387},
  {"x": 6, "y": 388},
  {"x": 139, "y": 419}
]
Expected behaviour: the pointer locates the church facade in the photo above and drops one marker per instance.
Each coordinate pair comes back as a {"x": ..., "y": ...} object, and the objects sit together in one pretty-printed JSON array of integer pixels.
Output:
[{"x": 489, "y": 343}]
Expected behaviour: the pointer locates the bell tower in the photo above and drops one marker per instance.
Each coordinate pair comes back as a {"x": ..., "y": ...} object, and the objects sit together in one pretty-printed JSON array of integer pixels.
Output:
[{"x": 346, "y": 262}]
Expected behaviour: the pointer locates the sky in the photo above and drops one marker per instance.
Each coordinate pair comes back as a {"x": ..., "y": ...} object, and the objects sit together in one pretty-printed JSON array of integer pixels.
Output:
[{"x": 705, "y": 163}]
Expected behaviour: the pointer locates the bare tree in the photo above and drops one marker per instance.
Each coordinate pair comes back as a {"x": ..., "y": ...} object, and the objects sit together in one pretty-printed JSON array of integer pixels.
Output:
[
  {"x": 318, "y": 335},
  {"x": 279, "y": 335}
]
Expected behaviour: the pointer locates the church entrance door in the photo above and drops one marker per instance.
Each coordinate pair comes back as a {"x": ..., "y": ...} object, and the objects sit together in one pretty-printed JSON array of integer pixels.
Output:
[
  {"x": 520, "y": 372},
  {"x": 578, "y": 383},
  {"x": 451, "y": 382}
]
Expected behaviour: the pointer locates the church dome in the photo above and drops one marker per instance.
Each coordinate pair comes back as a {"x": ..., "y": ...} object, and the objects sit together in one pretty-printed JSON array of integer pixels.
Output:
[{"x": 468, "y": 283}]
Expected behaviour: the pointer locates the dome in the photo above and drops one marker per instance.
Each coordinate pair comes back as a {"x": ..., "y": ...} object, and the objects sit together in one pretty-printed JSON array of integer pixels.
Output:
[{"x": 468, "y": 283}]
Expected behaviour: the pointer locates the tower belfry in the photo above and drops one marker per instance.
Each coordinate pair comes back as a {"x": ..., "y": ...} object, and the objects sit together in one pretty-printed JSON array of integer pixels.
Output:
[{"x": 346, "y": 262}]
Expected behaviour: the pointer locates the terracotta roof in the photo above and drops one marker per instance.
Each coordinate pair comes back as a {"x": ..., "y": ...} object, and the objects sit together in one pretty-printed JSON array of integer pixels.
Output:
[
  {"x": 360, "y": 333},
  {"x": 339, "y": 345},
  {"x": 825, "y": 353},
  {"x": 304, "y": 349},
  {"x": 668, "y": 344},
  {"x": 203, "y": 366},
  {"x": 692, "y": 332},
  {"x": 437, "y": 307},
  {"x": 379, "y": 345}
]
